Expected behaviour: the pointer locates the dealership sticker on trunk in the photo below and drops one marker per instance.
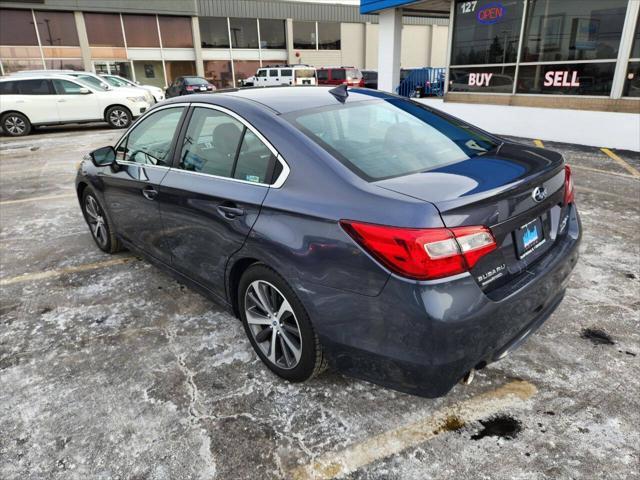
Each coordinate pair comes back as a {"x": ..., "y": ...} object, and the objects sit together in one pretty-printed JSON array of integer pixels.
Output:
[{"x": 529, "y": 237}]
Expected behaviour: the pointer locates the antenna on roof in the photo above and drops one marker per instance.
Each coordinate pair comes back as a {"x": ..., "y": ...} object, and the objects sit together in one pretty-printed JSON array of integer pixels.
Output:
[{"x": 340, "y": 92}]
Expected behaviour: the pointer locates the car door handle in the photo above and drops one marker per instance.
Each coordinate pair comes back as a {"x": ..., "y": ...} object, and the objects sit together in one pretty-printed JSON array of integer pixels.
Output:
[
  {"x": 149, "y": 193},
  {"x": 230, "y": 212}
]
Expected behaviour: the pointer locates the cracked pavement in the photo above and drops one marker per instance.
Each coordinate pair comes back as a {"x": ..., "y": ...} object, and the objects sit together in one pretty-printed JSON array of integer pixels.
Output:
[{"x": 116, "y": 371}]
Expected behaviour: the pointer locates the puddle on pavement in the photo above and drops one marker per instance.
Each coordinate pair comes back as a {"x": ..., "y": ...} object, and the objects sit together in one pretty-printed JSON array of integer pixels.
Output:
[
  {"x": 597, "y": 336},
  {"x": 502, "y": 426}
]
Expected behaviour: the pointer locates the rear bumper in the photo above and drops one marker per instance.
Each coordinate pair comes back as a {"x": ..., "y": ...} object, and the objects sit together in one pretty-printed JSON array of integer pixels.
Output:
[{"x": 421, "y": 338}]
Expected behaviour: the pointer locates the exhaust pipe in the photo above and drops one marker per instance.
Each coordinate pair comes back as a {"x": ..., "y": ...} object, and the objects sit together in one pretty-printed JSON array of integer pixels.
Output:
[{"x": 468, "y": 377}]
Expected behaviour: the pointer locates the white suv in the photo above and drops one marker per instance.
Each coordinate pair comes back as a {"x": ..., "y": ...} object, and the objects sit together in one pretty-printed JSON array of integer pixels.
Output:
[
  {"x": 57, "y": 99},
  {"x": 282, "y": 75}
]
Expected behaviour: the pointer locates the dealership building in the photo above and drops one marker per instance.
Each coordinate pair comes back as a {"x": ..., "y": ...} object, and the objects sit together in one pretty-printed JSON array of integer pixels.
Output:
[
  {"x": 155, "y": 41},
  {"x": 577, "y": 54}
]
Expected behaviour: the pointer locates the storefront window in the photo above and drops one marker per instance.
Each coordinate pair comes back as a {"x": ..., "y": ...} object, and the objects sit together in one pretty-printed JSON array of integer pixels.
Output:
[
  {"x": 218, "y": 72},
  {"x": 632, "y": 81},
  {"x": 244, "y": 32},
  {"x": 482, "y": 79},
  {"x": 272, "y": 34},
  {"x": 635, "y": 50},
  {"x": 214, "y": 32},
  {"x": 245, "y": 68},
  {"x": 567, "y": 79},
  {"x": 176, "y": 32},
  {"x": 57, "y": 29},
  {"x": 141, "y": 31},
  {"x": 17, "y": 65},
  {"x": 149, "y": 72},
  {"x": 328, "y": 36},
  {"x": 65, "y": 64},
  {"x": 104, "y": 29},
  {"x": 486, "y": 31},
  {"x": 16, "y": 28},
  {"x": 179, "y": 68},
  {"x": 304, "y": 35},
  {"x": 561, "y": 30}
]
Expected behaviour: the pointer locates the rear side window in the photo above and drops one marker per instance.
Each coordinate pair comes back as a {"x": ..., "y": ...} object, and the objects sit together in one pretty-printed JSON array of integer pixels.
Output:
[
  {"x": 338, "y": 74},
  {"x": 273, "y": 73},
  {"x": 8, "y": 88},
  {"x": 381, "y": 139},
  {"x": 255, "y": 160},
  {"x": 35, "y": 87},
  {"x": 286, "y": 72},
  {"x": 211, "y": 143},
  {"x": 322, "y": 74}
]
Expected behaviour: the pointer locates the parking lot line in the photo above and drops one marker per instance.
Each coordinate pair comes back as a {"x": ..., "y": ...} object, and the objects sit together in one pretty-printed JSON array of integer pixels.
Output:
[
  {"x": 35, "y": 199},
  {"x": 632, "y": 170},
  {"x": 600, "y": 192},
  {"x": 539, "y": 143},
  {"x": 395, "y": 441},
  {"x": 604, "y": 172},
  {"x": 29, "y": 277}
]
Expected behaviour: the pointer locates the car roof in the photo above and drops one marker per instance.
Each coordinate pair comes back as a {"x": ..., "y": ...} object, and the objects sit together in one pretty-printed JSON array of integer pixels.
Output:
[
  {"x": 284, "y": 100},
  {"x": 34, "y": 76}
]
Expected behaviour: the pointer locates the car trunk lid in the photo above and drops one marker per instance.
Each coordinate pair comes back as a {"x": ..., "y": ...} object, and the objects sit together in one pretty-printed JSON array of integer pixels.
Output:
[{"x": 497, "y": 190}]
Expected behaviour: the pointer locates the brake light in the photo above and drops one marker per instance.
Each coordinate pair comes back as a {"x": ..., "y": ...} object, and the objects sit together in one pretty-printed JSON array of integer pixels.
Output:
[
  {"x": 423, "y": 253},
  {"x": 189, "y": 88},
  {"x": 569, "y": 192}
]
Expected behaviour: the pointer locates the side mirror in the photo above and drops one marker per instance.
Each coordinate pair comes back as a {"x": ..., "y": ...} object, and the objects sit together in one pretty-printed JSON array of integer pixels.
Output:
[
  {"x": 137, "y": 82},
  {"x": 85, "y": 91},
  {"x": 103, "y": 157}
]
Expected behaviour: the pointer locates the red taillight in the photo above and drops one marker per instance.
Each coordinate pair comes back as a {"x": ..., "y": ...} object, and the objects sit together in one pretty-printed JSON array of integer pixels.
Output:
[
  {"x": 189, "y": 88},
  {"x": 423, "y": 253},
  {"x": 569, "y": 193}
]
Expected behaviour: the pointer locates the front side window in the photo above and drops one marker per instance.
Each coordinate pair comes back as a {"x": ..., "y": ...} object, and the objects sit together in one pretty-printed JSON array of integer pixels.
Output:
[
  {"x": 381, "y": 139},
  {"x": 149, "y": 143},
  {"x": 65, "y": 87},
  {"x": 565, "y": 30},
  {"x": 262, "y": 73},
  {"x": 93, "y": 81},
  {"x": 35, "y": 87},
  {"x": 486, "y": 31}
]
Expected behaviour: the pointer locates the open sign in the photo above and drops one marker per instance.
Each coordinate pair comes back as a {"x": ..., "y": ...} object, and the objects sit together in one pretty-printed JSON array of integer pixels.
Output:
[{"x": 491, "y": 13}]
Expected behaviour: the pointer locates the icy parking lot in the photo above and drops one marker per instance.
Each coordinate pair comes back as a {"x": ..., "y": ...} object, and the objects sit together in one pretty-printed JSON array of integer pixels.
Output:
[{"x": 110, "y": 369}]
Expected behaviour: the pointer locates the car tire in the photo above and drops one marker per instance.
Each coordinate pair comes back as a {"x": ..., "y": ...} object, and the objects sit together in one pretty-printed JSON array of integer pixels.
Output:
[
  {"x": 297, "y": 356},
  {"x": 15, "y": 124},
  {"x": 118, "y": 116},
  {"x": 98, "y": 222}
]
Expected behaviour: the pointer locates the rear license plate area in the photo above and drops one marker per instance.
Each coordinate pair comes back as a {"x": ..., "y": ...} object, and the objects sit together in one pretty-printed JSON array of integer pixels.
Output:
[{"x": 529, "y": 237}]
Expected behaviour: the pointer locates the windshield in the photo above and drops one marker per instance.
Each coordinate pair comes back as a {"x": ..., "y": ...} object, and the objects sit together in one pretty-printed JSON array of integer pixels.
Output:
[
  {"x": 116, "y": 82},
  {"x": 389, "y": 138},
  {"x": 94, "y": 82},
  {"x": 305, "y": 73}
]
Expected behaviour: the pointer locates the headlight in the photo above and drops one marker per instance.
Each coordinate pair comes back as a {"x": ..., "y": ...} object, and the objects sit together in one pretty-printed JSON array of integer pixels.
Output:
[{"x": 137, "y": 99}]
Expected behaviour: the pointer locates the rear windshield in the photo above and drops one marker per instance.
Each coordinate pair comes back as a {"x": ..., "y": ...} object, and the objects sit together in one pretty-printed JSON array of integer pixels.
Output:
[
  {"x": 381, "y": 139},
  {"x": 305, "y": 73},
  {"x": 194, "y": 81}
]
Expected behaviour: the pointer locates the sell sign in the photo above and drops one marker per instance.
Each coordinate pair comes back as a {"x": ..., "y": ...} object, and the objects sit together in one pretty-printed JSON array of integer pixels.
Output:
[
  {"x": 561, "y": 79},
  {"x": 491, "y": 13}
]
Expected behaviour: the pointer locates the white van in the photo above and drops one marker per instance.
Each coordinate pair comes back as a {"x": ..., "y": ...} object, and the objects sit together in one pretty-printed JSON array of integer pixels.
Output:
[
  {"x": 282, "y": 75},
  {"x": 28, "y": 100}
]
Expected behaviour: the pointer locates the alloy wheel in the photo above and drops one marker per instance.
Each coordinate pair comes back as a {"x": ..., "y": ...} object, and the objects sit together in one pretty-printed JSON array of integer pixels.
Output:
[
  {"x": 95, "y": 218},
  {"x": 15, "y": 125},
  {"x": 119, "y": 118},
  {"x": 273, "y": 324}
]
